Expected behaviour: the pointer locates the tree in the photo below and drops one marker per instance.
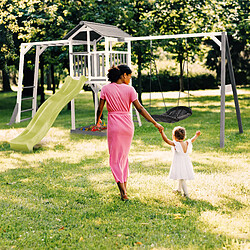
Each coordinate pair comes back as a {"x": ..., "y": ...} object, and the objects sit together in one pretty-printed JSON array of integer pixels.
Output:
[
  {"x": 29, "y": 21},
  {"x": 137, "y": 22},
  {"x": 180, "y": 17},
  {"x": 7, "y": 55},
  {"x": 233, "y": 17}
]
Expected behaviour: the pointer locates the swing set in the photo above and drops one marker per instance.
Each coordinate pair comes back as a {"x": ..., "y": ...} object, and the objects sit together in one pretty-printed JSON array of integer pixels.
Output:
[
  {"x": 182, "y": 112},
  {"x": 174, "y": 114}
]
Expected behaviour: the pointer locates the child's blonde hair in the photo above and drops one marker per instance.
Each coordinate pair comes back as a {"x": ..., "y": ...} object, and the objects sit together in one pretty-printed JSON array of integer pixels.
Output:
[{"x": 179, "y": 133}]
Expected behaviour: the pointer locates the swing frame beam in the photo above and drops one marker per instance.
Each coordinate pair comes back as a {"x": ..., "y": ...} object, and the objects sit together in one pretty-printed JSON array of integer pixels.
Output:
[{"x": 225, "y": 60}]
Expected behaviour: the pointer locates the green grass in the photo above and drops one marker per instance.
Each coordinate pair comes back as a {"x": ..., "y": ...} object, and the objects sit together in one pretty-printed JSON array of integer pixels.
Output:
[{"x": 63, "y": 195}]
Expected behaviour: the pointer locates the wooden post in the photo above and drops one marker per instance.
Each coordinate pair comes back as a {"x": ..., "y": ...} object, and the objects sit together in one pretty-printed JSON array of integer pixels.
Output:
[
  {"x": 223, "y": 80},
  {"x": 232, "y": 80},
  {"x": 71, "y": 73},
  {"x": 24, "y": 50},
  {"x": 39, "y": 51}
]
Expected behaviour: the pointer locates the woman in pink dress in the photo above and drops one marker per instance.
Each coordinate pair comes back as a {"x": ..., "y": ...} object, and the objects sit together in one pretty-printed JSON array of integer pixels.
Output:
[{"x": 119, "y": 95}]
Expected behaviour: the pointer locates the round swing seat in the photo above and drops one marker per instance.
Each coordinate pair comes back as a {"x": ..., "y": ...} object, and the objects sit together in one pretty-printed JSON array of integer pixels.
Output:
[
  {"x": 174, "y": 114},
  {"x": 180, "y": 112}
]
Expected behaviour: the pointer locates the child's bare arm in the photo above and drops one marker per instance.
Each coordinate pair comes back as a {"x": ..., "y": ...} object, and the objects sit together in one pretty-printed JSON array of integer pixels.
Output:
[
  {"x": 164, "y": 137},
  {"x": 197, "y": 134}
]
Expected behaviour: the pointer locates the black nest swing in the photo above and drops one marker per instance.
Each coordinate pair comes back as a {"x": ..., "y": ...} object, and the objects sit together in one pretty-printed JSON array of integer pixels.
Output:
[{"x": 174, "y": 114}]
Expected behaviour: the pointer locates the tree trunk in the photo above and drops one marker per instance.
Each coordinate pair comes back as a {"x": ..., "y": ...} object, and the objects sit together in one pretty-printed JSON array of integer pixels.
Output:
[
  {"x": 53, "y": 79},
  {"x": 48, "y": 77},
  {"x": 6, "y": 79}
]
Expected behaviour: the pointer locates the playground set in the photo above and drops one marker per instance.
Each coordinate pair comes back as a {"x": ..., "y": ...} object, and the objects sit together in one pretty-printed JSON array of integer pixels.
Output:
[{"x": 90, "y": 67}]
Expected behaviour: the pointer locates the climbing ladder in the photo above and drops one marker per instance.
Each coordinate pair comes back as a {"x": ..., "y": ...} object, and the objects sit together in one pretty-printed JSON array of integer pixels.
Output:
[{"x": 18, "y": 111}]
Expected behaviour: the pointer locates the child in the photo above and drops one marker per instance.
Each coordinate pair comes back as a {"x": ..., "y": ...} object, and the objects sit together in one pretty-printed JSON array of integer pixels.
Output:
[{"x": 181, "y": 168}]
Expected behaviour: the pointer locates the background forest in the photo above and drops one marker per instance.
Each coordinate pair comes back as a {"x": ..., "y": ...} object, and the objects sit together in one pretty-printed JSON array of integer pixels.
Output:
[{"x": 35, "y": 20}]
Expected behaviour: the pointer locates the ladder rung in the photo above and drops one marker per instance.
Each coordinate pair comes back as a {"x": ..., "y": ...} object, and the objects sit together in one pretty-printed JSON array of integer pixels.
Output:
[
  {"x": 28, "y": 98},
  {"x": 25, "y": 119},
  {"x": 25, "y": 110},
  {"x": 28, "y": 87}
]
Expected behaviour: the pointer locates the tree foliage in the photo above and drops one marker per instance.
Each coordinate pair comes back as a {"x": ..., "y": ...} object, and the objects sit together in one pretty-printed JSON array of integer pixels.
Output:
[{"x": 35, "y": 20}]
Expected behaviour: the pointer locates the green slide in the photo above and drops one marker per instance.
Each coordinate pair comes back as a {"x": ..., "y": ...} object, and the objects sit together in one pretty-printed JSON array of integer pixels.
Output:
[{"x": 46, "y": 115}]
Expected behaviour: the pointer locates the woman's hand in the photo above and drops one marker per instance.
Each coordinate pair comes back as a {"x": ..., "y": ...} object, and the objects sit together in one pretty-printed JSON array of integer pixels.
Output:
[
  {"x": 98, "y": 124},
  {"x": 159, "y": 126}
]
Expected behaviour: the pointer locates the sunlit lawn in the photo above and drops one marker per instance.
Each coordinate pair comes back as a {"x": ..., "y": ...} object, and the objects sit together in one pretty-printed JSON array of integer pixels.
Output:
[{"x": 63, "y": 195}]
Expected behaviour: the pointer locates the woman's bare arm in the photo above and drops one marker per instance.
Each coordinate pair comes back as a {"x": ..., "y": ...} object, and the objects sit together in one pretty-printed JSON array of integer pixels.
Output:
[
  {"x": 146, "y": 115},
  {"x": 99, "y": 111}
]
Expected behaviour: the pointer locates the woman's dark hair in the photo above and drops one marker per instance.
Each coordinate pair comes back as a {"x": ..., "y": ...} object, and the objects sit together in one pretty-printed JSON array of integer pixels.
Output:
[{"x": 115, "y": 72}]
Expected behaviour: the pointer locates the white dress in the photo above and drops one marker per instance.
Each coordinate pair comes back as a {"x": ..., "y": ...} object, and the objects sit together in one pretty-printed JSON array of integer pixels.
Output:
[{"x": 182, "y": 167}]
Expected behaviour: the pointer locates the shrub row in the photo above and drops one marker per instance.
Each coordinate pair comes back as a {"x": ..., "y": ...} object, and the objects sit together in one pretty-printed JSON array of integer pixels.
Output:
[{"x": 171, "y": 83}]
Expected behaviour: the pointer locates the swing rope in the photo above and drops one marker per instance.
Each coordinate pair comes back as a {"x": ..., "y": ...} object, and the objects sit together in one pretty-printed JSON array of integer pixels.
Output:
[
  {"x": 157, "y": 74},
  {"x": 174, "y": 114},
  {"x": 187, "y": 74}
]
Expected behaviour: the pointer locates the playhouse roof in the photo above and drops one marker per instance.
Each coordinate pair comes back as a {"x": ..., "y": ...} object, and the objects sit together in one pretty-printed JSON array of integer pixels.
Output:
[{"x": 97, "y": 30}]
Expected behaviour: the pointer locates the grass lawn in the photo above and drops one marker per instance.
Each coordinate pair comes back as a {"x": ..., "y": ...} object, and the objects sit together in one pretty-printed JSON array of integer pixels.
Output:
[{"x": 63, "y": 195}]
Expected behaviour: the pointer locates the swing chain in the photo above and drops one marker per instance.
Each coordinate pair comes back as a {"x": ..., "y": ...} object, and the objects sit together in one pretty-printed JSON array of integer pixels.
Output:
[{"x": 157, "y": 74}]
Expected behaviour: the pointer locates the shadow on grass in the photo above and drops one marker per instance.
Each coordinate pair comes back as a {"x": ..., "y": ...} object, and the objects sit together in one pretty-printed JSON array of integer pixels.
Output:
[
  {"x": 51, "y": 211},
  {"x": 232, "y": 204},
  {"x": 199, "y": 205},
  {"x": 56, "y": 205}
]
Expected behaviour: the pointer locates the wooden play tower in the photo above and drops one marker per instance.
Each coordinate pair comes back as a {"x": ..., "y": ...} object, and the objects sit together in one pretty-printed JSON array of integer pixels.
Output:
[{"x": 97, "y": 55}]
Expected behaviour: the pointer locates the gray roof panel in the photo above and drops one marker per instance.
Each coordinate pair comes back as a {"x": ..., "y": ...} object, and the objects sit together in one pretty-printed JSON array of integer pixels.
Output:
[{"x": 99, "y": 30}]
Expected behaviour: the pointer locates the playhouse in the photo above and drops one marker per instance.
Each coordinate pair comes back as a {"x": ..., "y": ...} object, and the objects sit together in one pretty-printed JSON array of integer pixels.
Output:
[
  {"x": 99, "y": 53},
  {"x": 90, "y": 62}
]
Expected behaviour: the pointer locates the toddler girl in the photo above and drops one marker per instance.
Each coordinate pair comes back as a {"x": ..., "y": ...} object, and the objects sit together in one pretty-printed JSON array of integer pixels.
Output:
[{"x": 181, "y": 168}]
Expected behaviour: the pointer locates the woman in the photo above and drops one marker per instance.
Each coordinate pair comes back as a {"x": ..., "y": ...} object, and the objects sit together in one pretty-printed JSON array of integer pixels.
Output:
[{"x": 119, "y": 96}]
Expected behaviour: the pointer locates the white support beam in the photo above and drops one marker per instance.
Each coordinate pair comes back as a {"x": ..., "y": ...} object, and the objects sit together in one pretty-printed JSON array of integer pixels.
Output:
[
  {"x": 39, "y": 51},
  {"x": 71, "y": 69},
  {"x": 71, "y": 73},
  {"x": 95, "y": 88},
  {"x": 24, "y": 49},
  {"x": 107, "y": 66},
  {"x": 129, "y": 54},
  {"x": 94, "y": 60},
  {"x": 73, "y": 116},
  {"x": 222, "y": 97},
  {"x": 161, "y": 37},
  {"x": 216, "y": 40},
  {"x": 48, "y": 43},
  {"x": 129, "y": 63}
]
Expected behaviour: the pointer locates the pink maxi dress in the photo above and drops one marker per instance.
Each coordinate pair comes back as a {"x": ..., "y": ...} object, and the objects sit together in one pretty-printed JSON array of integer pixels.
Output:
[{"x": 120, "y": 129}]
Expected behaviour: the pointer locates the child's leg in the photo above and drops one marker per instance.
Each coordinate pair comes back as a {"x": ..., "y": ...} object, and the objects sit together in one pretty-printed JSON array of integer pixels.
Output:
[
  {"x": 184, "y": 187},
  {"x": 179, "y": 185},
  {"x": 178, "y": 190}
]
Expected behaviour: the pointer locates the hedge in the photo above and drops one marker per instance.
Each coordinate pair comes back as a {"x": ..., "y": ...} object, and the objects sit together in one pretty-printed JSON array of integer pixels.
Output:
[{"x": 171, "y": 83}]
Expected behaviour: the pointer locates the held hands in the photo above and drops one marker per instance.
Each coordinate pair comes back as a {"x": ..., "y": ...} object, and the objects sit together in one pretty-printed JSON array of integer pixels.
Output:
[{"x": 159, "y": 126}]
